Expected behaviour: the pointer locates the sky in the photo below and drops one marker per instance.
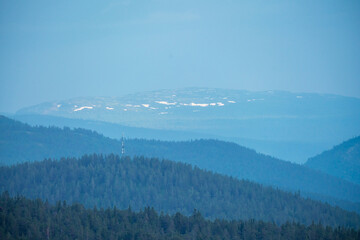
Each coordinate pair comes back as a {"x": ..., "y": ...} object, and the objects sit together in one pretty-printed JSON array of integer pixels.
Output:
[{"x": 54, "y": 50}]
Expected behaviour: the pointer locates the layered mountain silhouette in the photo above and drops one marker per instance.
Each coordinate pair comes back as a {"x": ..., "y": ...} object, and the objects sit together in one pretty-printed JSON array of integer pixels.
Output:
[
  {"x": 291, "y": 126},
  {"x": 22, "y": 143},
  {"x": 111, "y": 181}
]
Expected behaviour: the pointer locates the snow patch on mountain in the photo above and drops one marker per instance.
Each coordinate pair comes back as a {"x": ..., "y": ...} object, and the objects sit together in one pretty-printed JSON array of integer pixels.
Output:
[
  {"x": 196, "y": 104},
  {"x": 82, "y": 108},
  {"x": 165, "y": 103}
]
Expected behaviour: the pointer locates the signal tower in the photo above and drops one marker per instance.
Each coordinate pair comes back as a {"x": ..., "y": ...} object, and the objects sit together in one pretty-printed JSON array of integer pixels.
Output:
[{"x": 122, "y": 146}]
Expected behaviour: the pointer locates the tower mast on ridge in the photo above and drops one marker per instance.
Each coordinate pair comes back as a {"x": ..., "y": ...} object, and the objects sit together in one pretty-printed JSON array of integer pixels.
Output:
[{"x": 122, "y": 145}]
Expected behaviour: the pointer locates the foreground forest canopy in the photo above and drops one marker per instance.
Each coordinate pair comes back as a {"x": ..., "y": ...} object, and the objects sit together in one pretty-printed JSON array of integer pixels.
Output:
[
  {"x": 34, "y": 219},
  {"x": 108, "y": 181}
]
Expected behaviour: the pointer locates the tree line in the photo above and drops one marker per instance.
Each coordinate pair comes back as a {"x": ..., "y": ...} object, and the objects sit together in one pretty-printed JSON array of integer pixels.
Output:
[
  {"x": 21, "y": 218},
  {"x": 114, "y": 181}
]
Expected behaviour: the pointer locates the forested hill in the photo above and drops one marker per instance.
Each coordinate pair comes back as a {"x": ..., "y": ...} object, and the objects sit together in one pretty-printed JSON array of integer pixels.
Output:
[
  {"x": 34, "y": 219},
  {"x": 95, "y": 180},
  {"x": 342, "y": 161},
  {"x": 21, "y": 142},
  {"x": 234, "y": 160}
]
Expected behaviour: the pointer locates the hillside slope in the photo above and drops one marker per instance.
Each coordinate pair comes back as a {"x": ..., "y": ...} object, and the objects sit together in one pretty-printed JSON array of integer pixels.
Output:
[
  {"x": 21, "y": 142},
  {"x": 293, "y": 150},
  {"x": 110, "y": 181},
  {"x": 342, "y": 161},
  {"x": 243, "y": 163}
]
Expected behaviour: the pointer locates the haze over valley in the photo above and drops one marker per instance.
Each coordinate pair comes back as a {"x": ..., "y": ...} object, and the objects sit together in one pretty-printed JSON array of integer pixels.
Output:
[{"x": 277, "y": 123}]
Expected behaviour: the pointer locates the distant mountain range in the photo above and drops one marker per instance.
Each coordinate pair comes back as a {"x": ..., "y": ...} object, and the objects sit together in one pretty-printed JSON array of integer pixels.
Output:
[
  {"x": 342, "y": 161},
  {"x": 21, "y": 142},
  {"x": 291, "y": 126}
]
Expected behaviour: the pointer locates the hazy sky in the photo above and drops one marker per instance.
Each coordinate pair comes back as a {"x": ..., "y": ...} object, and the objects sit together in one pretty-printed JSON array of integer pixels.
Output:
[{"x": 53, "y": 50}]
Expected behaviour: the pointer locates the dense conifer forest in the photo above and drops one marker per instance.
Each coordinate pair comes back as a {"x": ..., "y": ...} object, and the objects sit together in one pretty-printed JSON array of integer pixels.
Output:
[
  {"x": 21, "y": 142},
  {"x": 21, "y": 218},
  {"x": 109, "y": 181}
]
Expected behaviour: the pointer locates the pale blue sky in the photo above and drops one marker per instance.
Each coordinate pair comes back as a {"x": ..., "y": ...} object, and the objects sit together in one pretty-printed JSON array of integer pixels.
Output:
[{"x": 53, "y": 50}]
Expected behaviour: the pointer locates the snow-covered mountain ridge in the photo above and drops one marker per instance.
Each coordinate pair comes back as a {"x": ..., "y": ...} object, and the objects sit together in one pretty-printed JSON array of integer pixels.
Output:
[
  {"x": 316, "y": 121},
  {"x": 244, "y": 104}
]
